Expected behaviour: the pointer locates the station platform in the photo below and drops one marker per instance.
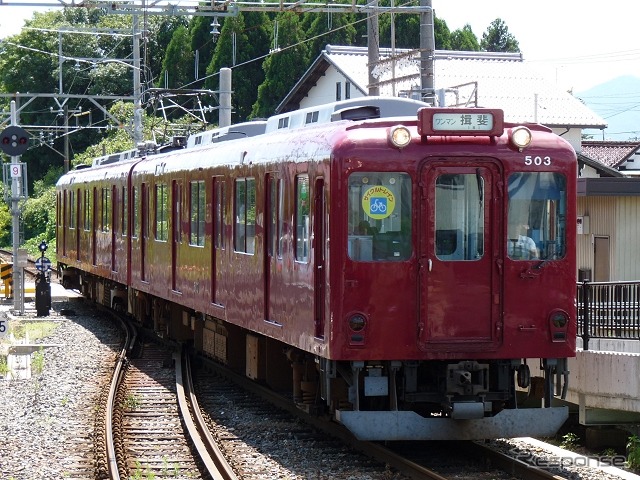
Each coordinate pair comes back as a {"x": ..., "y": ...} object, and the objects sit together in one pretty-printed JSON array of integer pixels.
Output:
[{"x": 604, "y": 382}]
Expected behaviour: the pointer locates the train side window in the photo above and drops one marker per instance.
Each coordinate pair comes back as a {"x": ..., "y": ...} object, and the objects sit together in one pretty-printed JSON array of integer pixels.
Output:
[
  {"x": 379, "y": 216},
  {"x": 135, "y": 218},
  {"x": 196, "y": 213},
  {"x": 106, "y": 209},
  {"x": 536, "y": 220},
  {"x": 245, "y": 215},
  {"x": 218, "y": 213},
  {"x": 460, "y": 216},
  {"x": 125, "y": 209},
  {"x": 87, "y": 210},
  {"x": 161, "y": 196},
  {"x": 302, "y": 218},
  {"x": 72, "y": 209}
]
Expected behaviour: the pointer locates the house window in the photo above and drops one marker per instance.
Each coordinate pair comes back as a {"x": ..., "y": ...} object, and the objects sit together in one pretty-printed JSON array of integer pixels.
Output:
[
  {"x": 197, "y": 213},
  {"x": 312, "y": 117},
  {"x": 338, "y": 91},
  {"x": 283, "y": 122},
  {"x": 347, "y": 90},
  {"x": 162, "y": 221}
]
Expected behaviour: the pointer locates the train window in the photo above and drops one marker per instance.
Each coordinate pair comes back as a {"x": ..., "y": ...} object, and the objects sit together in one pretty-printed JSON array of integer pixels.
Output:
[
  {"x": 125, "y": 209},
  {"x": 302, "y": 218},
  {"x": 245, "y": 214},
  {"x": 536, "y": 223},
  {"x": 379, "y": 216},
  {"x": 135, "y": 213},
  {"x": 218, "y": 213},
  {"x": 87, "y": 210},
  {"x": 459, "y": 212},
  {"x": 161, "y": 195},
  {"x": 72, "y": 209},
  {"x": 106, "y": 209},
  {"x": 196, "y": 213}
]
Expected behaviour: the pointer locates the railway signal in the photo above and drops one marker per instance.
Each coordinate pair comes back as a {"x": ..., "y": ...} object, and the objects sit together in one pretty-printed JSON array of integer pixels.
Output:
[{"x": 14, "y": 140}]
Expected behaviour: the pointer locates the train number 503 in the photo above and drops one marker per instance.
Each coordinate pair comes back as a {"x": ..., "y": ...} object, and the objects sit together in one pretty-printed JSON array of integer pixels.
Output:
[{"x": 531, "y": 160}]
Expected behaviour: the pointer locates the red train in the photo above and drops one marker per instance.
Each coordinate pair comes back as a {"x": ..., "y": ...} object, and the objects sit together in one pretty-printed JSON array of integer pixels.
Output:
[{"x": 396, "y": 266}]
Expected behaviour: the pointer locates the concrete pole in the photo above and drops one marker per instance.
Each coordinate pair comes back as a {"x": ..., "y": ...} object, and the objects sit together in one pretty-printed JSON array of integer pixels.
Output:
[
  {"x": 373, "y": 48},
  {"x": 427, "y": 52},
  {"x": 16, "y": 186},
  {"x": 224, "y": 113},
  {"x": 138, "y": 136}
]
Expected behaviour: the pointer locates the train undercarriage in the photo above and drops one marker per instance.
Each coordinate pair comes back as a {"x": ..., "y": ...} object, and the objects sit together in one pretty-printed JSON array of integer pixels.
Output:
[{"x": 375, "y": 400}]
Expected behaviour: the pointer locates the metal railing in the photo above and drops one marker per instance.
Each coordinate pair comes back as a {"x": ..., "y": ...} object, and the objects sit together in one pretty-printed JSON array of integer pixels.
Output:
[{"x": 608, "y": 310}]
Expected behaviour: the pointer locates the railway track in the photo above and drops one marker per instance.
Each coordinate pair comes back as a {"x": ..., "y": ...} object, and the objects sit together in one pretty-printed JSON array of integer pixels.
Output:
[
  {"x": 227, "y": 427},
  {"x": 153, "y": 424}
]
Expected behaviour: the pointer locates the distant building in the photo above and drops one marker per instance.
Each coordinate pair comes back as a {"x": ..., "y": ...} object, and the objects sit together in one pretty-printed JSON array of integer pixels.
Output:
[{"x": 483, "y": 79}]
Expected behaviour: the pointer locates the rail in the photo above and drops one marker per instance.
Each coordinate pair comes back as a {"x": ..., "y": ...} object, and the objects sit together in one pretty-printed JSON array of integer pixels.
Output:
[{"x": 608, "y": 310}]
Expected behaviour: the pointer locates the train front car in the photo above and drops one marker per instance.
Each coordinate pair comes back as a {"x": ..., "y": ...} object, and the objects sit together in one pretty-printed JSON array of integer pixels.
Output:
[{"x": 453, "y": 278}]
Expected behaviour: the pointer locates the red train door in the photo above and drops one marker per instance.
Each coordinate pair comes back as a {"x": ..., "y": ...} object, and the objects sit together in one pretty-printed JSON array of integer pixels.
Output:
[
  {"x": 274, "y": 204},
  {"x": 176, "y": 223},
  {"x": 459, "y": 290},
  {"x": 144, "y": 232},
  {"x": 319, "y": 245},
  {"x": 114, "y": 224}
]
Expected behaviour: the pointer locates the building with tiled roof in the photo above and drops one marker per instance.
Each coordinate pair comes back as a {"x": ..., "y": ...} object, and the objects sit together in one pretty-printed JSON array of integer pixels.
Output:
[
  {"x": 482, "y": 79},
  {"x": 622, "y": 156}
]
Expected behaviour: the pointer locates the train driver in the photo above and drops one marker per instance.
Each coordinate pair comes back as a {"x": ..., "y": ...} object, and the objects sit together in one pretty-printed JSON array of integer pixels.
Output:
[{"x": 519, "y": 245}]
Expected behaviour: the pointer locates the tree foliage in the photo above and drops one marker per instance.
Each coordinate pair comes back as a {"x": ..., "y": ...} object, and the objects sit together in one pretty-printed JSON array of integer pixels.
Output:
[
  {"x": 498, "y": 39},
  {"x": 268, "y": 54}
]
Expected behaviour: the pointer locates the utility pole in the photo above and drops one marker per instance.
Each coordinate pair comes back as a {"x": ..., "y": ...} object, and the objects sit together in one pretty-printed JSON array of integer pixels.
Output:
[
  {"x": 427, "y": 52},
  {"x": 137, "y": 89},
  {"x": 16, "y": 193}
]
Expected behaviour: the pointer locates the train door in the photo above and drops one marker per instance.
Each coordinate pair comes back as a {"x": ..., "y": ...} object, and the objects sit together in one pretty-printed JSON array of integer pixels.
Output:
[
  {"x": 218, "y": 238},
  {"x": 114, "y": 225},
  {"x": 273, "y": 242},
  {"x": 460, "y": 295},
  {"x": 78, "y": 223},
  {"x": 176, "y": 222},
  {"x": 144, "y": 230},
  {"x": 64, "y": 221},
  {"x": 319, "y": 255},
  {"x": 94, "y": 228}
]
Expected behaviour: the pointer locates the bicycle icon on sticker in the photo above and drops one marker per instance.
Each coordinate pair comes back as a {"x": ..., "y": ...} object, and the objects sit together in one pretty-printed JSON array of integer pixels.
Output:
[{"x": 378, "y": 205}]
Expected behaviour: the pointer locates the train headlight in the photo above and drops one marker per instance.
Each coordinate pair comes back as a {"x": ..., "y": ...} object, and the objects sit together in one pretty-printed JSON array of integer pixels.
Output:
[
  {"x": 520, "y": 137},
  {"x": 357, "y": 322},
  {"x": 558, "y": 323},
  {"x": 399, "y": 136}
]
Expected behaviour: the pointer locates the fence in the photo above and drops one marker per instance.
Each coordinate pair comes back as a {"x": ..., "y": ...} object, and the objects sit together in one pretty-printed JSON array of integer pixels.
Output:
[{"x": 608, "y": 310}]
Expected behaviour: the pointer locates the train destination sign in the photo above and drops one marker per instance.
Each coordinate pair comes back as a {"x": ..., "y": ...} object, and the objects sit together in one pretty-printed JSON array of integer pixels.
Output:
[{"x": 462, "y": 121}]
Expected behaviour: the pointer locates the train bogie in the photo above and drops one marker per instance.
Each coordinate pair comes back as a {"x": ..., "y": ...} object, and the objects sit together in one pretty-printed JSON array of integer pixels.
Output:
[{"x": 398, "y": 273}]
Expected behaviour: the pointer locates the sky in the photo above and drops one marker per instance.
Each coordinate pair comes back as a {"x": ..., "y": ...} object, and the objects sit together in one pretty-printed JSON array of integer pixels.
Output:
[{"x": 576, "y": 43}]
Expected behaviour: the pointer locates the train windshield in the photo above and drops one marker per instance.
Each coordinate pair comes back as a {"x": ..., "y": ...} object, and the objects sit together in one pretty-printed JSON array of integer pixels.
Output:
[
  {"x": 536, "y": 223},
  {"x": 379, "y": 216}
]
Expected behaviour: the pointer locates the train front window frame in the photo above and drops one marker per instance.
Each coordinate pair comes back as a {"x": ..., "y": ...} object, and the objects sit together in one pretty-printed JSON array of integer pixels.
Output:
[
  {"x": 537, "y": 217},
  {"x": 379, "y": 216}
]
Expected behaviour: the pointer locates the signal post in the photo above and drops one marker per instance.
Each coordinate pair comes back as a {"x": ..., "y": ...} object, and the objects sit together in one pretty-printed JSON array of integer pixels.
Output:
[{"x": 14, "y": 141}]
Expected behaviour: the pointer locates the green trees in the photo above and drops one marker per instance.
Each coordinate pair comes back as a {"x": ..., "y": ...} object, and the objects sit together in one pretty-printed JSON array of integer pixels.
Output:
[
  {"x": 267, "y": 52},
  {"x": 498, "y": 39}
]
